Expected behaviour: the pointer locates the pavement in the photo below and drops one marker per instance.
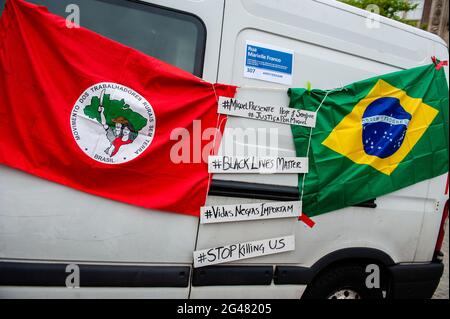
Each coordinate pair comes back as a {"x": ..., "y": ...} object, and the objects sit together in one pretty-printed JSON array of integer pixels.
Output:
[{"x": 442, "y": 289}]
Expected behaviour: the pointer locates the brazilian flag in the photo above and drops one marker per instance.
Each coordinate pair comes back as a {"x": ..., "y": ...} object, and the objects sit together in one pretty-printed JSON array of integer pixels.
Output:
[{"x": 372, "y": 137}]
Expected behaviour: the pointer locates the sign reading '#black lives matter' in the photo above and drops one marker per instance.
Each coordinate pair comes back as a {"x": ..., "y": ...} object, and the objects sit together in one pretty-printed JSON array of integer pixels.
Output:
[
  {"x": 271, "y": 113},
  {"x": 257, "y": 165},
  {"x": 233, "y": 252},
  {"x": 253, "y": 211}
]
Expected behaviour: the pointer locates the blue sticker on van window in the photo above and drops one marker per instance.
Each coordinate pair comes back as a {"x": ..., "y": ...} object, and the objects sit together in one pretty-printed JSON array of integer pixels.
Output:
[{"x": 268, "y": 63}]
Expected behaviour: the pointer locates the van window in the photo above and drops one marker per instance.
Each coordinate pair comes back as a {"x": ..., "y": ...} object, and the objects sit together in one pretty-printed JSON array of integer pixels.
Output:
[{"x": 169, "y": 35}]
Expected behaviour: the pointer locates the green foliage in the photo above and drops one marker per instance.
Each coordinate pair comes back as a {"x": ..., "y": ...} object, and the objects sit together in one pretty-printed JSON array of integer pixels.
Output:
[
  {"x": 388, "y": 8},
  {"x": 114, "y": 109},
  {"x": 424, "y": 26}
]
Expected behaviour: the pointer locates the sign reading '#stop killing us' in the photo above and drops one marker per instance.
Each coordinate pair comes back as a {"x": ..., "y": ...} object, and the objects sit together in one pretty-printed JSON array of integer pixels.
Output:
[
  {"x": 250, "y": 109},
  {"x": 257, "y": 165},
  {"x": 243, "y": 212},
  {"x": 233, "y": 252}
]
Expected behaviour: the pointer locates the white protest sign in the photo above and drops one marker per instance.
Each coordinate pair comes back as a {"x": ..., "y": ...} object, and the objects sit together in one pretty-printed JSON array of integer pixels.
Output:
[
  {"x": 233, "y": 252},
  {"x": 243, "y": 212},
  {"x": 264, "y": 112},
  {"x": 257, "y": 165}
]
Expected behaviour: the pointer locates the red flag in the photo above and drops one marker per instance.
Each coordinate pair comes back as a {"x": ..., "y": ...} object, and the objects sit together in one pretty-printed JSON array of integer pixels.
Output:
[{"x": 87, "y": 112}]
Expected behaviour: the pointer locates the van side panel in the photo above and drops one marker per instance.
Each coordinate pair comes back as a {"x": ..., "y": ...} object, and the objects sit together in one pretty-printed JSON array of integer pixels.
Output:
[
  {"x": 41, "y": 221},
  {"x": 333, "y": 47}
]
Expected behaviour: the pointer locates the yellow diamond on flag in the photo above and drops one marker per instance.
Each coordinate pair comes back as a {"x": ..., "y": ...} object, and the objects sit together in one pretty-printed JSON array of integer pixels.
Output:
[{"x": 382, "y": 128}]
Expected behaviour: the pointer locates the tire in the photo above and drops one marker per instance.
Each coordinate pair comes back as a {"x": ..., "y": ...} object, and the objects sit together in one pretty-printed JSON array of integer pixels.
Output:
[{"x": 342, "y": 282}]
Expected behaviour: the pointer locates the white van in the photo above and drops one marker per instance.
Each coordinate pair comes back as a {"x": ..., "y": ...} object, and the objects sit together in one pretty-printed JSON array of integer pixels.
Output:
[{"x": 48, "y": 231}]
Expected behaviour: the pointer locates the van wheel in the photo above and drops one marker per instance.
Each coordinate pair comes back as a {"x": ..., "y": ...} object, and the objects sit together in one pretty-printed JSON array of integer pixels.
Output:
[{"x": 342, "y": 282}]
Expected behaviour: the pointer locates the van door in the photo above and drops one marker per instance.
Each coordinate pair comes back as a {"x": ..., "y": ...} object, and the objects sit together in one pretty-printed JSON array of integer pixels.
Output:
[
  {"x": 332, "y": 47},
  {"x": 45, "y": 226}
]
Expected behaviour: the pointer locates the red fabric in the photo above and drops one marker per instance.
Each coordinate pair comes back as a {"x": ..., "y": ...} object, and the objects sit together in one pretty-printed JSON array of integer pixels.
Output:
[
  {"x": 118, "y": 142},
  {"x": 308, "y": 221},
  {"x": 441, "y": 64},
  {"x": 438, "y": 64},
  {"x": 45, "y": 66},
  {"x": 446, "y": 187}
]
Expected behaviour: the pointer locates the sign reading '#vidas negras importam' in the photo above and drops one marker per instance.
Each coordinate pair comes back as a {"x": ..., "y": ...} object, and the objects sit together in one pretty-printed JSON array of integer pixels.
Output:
[
  {"x": 250, "y": 109},
  {"x": 257, "y": 165},
  {"x": 243, "y": 212},
  {"x": 233, "y": 252}
]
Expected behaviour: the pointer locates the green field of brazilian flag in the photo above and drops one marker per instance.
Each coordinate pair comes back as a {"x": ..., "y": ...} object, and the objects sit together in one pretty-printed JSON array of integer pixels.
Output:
[{"x": 372, "y": 137}]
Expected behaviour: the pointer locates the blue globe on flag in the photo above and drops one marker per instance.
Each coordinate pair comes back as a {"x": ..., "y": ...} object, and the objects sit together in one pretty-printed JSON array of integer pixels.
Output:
[{"x": 385, "y": 123}]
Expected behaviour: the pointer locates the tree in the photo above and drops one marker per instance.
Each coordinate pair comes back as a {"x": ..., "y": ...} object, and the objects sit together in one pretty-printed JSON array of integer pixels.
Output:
[{"x": 388, "y": 8}]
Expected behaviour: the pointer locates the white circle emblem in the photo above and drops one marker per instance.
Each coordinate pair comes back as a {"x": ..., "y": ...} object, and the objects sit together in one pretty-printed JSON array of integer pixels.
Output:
[{"x": 112, "y": 123}]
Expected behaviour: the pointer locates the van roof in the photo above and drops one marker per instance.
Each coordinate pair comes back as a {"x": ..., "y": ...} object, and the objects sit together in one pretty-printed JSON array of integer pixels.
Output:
[{"x": 396, "y": 24}]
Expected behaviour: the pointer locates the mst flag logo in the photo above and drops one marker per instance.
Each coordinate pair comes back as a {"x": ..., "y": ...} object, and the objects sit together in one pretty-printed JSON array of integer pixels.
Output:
[
  {"x": 382, "y": 128},
  {"x": 112, "y": 123}
]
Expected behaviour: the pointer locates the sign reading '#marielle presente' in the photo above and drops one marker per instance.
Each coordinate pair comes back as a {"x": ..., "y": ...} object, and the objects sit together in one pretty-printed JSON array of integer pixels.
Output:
[
  {"x": 243, "y": 212},
  {"x": 250, "y": 109},
  {"x": 257, "y": 165},
  {"x": 233, "y": 252}
]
